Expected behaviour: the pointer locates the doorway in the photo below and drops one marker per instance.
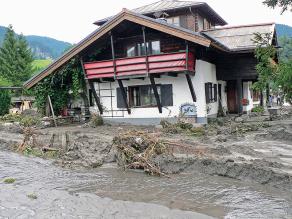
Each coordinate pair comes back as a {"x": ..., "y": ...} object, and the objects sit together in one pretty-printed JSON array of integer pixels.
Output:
[{"x": 231, "y": 97}]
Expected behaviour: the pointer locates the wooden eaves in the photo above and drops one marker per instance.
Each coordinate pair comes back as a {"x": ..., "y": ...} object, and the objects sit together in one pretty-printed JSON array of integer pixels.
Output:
[{"x": 107, "y": 27}]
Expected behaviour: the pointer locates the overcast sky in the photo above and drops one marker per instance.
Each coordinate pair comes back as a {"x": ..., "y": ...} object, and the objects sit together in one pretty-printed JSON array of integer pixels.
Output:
[{"x": 71, "y": 20}]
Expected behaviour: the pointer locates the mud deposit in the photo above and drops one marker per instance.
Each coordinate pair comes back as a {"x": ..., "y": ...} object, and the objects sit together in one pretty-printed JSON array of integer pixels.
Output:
[
  {"x": 235, "y": 170},
  {"x": 110, "y": 193}
]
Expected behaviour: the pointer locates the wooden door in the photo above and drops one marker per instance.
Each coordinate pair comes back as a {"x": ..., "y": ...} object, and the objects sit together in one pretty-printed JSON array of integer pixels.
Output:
[{"x": 231, "y": 97}]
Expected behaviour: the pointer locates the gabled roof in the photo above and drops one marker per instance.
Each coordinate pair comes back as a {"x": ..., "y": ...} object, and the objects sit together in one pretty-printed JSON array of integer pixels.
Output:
[
  {"x": 109, "y": 25},
  {"x": 238, "y": 38},
  {"x": 169, "y": 5},
  {"x": 165, "y": 5}
]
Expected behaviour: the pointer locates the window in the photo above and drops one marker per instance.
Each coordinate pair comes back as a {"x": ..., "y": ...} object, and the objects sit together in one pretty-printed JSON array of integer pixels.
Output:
[
  {"x": 138, "y": 49},
  {"x": 174, "y": 20},
  {"x": 206, "y": 24},
  {"x": 211, "y": 91},
  {"x": 131, "y": 51},
  {"x": 143, "y": 96}
]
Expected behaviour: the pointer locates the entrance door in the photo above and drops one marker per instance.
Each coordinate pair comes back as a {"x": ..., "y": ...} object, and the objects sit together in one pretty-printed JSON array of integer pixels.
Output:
[{"x": 231, "y": 97}]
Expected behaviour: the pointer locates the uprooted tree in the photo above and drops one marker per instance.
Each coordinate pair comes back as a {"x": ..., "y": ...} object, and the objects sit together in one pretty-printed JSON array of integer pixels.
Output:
[{"x": 137, "y": 150}]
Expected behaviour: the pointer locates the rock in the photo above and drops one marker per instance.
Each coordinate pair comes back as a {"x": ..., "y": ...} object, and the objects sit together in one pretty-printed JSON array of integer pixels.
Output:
[
  {"x": 198, "y": 125},
  {"x": 221, "y": 138},
  {"x": 159, "y": 127},
  {"x": 96, "y": 163},
  {"x": 238, "y": 119}
]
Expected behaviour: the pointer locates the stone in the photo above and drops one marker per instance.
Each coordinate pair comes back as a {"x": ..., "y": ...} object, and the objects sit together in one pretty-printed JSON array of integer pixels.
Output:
[
  {"x": 159, "y": 127},
  {"x": 238, "y": 119}
]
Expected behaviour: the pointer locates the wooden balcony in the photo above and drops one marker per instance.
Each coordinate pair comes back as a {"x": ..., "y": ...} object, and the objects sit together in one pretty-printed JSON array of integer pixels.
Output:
[{"x": 141, "y": 66}]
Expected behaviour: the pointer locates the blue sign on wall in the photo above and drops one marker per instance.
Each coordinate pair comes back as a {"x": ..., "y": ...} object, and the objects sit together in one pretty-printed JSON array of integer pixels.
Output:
[{"x": 188, "y": 110}]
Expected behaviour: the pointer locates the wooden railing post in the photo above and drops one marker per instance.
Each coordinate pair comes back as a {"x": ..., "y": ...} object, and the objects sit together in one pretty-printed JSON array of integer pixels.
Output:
[
  {"x": 146, "y": 50},
  {"x": 113, "y": 55},
  {"x": 187, "y": 56}
]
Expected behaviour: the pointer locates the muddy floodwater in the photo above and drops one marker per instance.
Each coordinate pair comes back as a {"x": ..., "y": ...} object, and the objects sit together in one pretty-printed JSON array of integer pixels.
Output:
[{"x": 108, "y": 192}]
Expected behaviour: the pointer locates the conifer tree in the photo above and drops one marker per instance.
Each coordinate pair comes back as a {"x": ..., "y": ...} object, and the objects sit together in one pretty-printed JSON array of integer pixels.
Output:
[
  {"x": 8, "y": 56},
  {"x": 15, "y": 58},
  {"x": 24, "y": 59}
]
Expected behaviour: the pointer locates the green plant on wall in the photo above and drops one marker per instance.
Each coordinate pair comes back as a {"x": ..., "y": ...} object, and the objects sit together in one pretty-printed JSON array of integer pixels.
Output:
[{"x": 58, "y": 85}]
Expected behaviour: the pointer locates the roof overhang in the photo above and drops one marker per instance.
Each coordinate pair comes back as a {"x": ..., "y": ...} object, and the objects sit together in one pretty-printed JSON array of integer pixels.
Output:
[{"x": 106, "y": 28}]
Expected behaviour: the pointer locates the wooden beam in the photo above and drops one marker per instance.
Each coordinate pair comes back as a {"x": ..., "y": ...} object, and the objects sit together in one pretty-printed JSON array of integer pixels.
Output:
[
  {"x": 191, "y": 86},
  {"x": 52, "y": 110},
  {"x": 146, "y": 49},
  {"x": 113, "y": 55},
  {"x": 154, "y": 88},
  {"x": 124, "y": 95},
  {"x": 96, "y": 97}
]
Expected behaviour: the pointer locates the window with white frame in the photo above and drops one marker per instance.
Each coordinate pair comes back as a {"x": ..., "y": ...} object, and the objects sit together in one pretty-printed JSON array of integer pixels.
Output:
[
  {"x": 174, "y": 20},
  {"x": 211, "y": 92}
]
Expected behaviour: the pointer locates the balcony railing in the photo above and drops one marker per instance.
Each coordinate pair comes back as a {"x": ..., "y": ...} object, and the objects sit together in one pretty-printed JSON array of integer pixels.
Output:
[{"x": 140, "y": 66}]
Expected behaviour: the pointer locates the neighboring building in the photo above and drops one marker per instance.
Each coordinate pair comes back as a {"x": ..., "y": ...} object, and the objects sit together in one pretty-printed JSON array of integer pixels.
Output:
[{"x": 190, "y": 65}]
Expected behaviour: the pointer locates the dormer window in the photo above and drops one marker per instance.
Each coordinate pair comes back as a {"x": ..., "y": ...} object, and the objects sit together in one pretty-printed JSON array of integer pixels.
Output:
[
  {"x": 207, "y": 24},
  {"x": 174, "y": 20}
]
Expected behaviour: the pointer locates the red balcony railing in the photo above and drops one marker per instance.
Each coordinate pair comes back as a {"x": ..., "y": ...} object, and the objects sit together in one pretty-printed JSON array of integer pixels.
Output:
[{"x": 137, "y": 66}]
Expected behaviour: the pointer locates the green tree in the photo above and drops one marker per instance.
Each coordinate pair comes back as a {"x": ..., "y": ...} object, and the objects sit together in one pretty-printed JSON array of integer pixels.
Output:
[
  {"x": 5, "y": 100},
  {"x": 284, "y": 4},
  {"x": 284, "y": 79},
  {"x": 266, "y": 67},
  {"x": 24, "y": 59},
  {"x": 8, "y": 56},
  {"x": 15, "y": 58},
  {"x": 286, "y": 50}
]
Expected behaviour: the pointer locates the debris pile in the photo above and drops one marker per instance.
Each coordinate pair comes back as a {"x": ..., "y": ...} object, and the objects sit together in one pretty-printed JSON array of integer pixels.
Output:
[{"x": 137, "y": 149}]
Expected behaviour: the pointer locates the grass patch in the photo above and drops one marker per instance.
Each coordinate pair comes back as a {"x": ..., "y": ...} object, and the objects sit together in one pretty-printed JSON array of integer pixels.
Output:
[
  {"x": 9, "y": 180},
  {"x": 258, "y": 109},
  {"x": 37, "y": 152},
  {"x": 40, "y": 64},
  {"x": 32, "y": 196}
]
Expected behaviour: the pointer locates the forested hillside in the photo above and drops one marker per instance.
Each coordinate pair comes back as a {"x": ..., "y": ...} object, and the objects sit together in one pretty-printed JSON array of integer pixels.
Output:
[
  {"x": 284, "y": 30},
  {"x": 42, "y": 47},
  {"x": 285, "y": 41}
]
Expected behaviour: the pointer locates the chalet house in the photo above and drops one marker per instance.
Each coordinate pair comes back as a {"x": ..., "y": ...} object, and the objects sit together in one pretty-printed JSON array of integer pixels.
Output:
[{"x": 167, "y": 59}]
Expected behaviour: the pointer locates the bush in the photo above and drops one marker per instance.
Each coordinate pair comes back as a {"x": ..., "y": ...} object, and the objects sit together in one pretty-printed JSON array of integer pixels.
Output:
[
  {"x": 5, "y": 100},
  {"x": 258, "y": 109},
  {"x": 9, "y": 180},
  {"x": 29, "y": 121},
  {"x": 11, "y": 118},
  {"x": 96, "y": 120}
]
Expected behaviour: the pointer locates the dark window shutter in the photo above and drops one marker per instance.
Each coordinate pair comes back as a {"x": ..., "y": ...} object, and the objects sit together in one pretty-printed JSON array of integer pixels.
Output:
[
  {"x": 166, "y": 95},
  {"x": 215, "y": 92},
  {"x": 120, "y": 100},
  {"x": 207, "y": 85}
]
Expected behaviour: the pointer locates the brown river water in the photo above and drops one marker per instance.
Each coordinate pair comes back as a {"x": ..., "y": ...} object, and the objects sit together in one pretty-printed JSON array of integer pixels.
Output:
[{"x": 109, "y": 192}]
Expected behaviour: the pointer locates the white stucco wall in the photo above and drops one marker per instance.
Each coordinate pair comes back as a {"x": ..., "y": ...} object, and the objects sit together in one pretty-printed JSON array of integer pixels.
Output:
[
  {"x": 205, "y": 72},
  {"x": 247, "y": 94}
]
